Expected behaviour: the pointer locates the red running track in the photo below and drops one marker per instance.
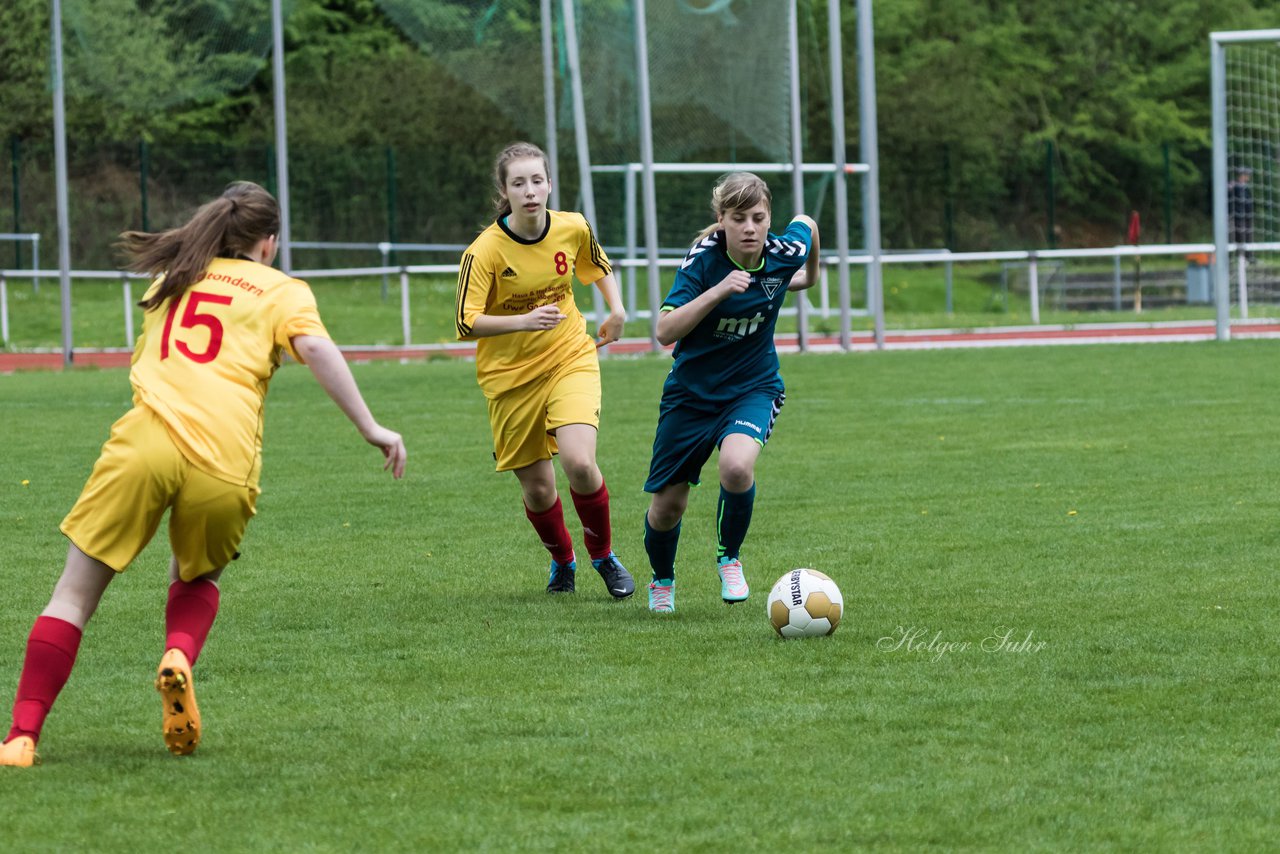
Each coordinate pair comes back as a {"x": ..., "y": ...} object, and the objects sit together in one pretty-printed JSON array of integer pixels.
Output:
[{"x": 861, "y": 342}]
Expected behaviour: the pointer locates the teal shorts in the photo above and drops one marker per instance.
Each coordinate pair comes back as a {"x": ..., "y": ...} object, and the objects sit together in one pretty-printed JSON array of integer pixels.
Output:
[{"x": 687, "y": 435}]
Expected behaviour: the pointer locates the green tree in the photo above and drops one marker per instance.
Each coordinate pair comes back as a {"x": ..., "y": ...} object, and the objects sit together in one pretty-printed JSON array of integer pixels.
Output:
[{"x": 24, "y": 69}]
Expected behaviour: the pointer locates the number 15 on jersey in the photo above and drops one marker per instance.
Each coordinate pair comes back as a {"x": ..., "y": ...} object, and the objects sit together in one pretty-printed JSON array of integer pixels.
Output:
[{"x": 192, "y": 318}]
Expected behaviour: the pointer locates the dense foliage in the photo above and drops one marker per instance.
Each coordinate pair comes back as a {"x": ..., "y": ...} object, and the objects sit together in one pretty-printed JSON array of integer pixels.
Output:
[{"x": 984, "y": 109}]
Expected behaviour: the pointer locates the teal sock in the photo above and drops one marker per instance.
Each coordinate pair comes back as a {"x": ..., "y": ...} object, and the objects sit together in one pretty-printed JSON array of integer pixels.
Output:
[
  {"x": 733, "y": 518},
  {"x": 661, "y": 548}
]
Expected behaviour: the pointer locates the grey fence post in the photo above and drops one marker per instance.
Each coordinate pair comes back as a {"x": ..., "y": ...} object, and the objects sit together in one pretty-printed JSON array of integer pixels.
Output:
[
  {"x": 127, "y": 291},
  {"x": 1033, "y": 285},
  {"x": 629, "y": 205},
  {"x": 950, "y": 285},
  {"x": 404, "y": 304},
  {"x": 1242, "y": 282},
  {"x": 385, "y": 248},
  {"x": 1115, "y": 287}
]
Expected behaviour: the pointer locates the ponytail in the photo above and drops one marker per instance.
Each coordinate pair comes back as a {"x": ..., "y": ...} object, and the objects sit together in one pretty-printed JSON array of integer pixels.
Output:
[{"x": 230, "y": 225}]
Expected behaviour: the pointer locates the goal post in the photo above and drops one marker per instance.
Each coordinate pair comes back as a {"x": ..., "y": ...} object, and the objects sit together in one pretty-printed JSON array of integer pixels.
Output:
[{"x": 1245, "y": 99}]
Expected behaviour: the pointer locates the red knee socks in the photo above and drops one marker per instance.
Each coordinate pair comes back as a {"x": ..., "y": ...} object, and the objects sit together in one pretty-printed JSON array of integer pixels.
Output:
[
  {"x": 189, "y": 615},
  {"x": 555, "y": 536},
  {"x": 593, "y": 510},
  {"x": 51, "y": 653}
]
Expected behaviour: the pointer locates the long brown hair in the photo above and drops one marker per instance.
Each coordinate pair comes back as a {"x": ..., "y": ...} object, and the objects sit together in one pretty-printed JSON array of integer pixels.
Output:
[
  {"x": 229, "y": 225},
  {"x": 513, "y": 152},
  {"x": 736, "y": 191}
]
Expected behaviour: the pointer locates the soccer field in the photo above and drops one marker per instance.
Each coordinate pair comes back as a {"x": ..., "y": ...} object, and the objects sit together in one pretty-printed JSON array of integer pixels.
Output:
[{"x": 1058, "y": 567}]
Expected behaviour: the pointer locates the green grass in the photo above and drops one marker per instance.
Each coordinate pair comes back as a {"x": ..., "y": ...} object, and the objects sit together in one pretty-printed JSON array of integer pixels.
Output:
[
  {"x": 357, "y": 313},
  {"x": 386, "y": 673}
]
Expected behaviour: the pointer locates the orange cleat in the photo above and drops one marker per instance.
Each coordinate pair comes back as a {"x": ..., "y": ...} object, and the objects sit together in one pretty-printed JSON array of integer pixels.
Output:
[
  {"x": 19, "y": 752},
  {"x": 181, "y": 722}
]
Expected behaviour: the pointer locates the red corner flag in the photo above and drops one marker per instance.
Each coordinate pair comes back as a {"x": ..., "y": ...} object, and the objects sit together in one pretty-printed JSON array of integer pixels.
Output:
[{"x": 1135, "y": 228}]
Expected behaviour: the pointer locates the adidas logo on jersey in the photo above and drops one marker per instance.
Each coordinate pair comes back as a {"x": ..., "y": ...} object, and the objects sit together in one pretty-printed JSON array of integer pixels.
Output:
[{"x": 508, "y": 273}]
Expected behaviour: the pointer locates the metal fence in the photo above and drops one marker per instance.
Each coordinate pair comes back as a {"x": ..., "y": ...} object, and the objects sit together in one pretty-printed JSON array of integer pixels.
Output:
[{"x": 1194, "y": 289}]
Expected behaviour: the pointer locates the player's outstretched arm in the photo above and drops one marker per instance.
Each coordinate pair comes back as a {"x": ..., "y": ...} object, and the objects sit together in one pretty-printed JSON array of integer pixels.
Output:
[
  {"x": 330, "y": 370},
  {"x": 808, "y": 275}
]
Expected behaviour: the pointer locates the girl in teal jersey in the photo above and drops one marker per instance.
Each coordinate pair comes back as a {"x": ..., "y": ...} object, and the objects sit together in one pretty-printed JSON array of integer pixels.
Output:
[{"x": 724, "y": 390}]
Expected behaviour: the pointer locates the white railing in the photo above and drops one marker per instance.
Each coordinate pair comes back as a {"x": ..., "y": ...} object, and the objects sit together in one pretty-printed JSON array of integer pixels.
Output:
[
  {"x": 1031, "y": 258},
  {"x": 34, "y": 239},
  {"x": 385, "y": 248},
  {"x": 126, "y": 291}
]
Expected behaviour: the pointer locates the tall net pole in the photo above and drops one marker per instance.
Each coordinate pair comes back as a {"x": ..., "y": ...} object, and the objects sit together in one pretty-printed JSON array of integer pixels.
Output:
[
  {"x": 282, "y": 136},
  {"x": 797, "y": 161},
  {"x": 870, "y": 155},
  {"x": 648, "y": 188},
  {"x": 60, "y": 170},
  {"x": 1219, "y": 103},
  {"x": 549, "y": 102},
  {"x": 838, "y": 158},
  {"x": 585, "y": 178}
]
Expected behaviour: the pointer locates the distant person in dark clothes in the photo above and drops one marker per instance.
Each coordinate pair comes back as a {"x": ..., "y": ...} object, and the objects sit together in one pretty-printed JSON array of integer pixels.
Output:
[{"x": 1240, "y": 210}]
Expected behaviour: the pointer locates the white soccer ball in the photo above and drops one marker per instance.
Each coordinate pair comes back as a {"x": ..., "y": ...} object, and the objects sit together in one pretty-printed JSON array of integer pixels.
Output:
[{"x": 804, "y": 603}]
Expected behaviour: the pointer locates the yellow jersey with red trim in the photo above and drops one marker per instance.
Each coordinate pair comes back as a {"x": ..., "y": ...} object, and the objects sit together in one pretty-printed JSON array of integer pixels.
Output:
[
  {"x": 503, "y": 275},
  {"x": 204, "y": 360}
]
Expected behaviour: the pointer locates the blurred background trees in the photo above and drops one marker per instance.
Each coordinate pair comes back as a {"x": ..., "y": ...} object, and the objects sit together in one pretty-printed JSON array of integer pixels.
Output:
[{"x": 989, "y": 114}]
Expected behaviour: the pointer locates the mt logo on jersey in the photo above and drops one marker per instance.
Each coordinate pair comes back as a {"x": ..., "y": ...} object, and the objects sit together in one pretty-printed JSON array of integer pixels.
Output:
[{"x": 738, "y": 327}]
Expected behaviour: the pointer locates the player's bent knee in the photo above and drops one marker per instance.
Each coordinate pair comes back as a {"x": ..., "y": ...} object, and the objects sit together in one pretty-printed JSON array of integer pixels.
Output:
[
  {"x": 665, "y": 515},
  {"x": 538, "y": 496},
  {"x": 577, "y": 466},
  {"x": 737, "y": 475}
]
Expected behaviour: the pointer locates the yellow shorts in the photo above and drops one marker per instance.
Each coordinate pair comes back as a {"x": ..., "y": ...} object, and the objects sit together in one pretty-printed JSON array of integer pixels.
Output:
[
  {"x": 138, "y": 476},
  {"x": 524, "y": 420}
]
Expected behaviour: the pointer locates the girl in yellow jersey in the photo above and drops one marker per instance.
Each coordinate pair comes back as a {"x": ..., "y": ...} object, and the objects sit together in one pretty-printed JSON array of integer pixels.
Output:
[
  {"x": 217, "y": 319},
  {"x": 535, "y": 361}
]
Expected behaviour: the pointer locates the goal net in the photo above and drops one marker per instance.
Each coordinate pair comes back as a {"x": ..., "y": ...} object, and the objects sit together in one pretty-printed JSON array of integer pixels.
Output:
[
  {"x": 1246, "y": 107},
  {"x": 718, "y": 88}
]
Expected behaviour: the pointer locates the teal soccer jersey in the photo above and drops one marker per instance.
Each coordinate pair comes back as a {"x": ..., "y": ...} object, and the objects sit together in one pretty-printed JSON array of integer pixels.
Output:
[{"x": 730, "y": 352}]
